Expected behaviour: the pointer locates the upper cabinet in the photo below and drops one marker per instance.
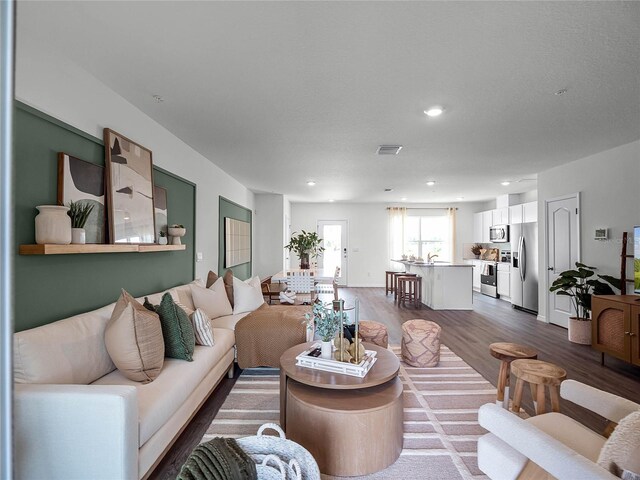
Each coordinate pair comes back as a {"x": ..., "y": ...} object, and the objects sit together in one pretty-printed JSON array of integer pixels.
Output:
[
  {"x": 516, "y": 214},
  {"x": 487, "y": 222},
  {"x": 530, "y": 212},
  {"x": 501, "y": 216}
]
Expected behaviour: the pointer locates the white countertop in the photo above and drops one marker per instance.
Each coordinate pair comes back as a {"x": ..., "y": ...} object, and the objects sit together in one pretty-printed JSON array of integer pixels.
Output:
[{"x": 431, "y": 265}]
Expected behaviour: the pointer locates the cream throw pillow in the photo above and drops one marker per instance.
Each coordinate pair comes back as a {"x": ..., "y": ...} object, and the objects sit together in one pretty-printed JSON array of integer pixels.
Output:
[
  {"x": 247, "y": 295},
  {"x": 133, "y": 338},
  {"x": 213, "y": 300},
  {"x": 622, "y": 450}
]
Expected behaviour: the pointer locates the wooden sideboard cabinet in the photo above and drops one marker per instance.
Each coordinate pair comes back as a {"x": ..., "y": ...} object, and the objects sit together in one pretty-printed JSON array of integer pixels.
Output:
[{"x": 616, "y": 326}]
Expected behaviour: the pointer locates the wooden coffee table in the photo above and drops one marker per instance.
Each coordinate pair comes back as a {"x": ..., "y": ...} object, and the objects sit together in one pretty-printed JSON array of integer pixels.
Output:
[{"x": 352, "y": 426}]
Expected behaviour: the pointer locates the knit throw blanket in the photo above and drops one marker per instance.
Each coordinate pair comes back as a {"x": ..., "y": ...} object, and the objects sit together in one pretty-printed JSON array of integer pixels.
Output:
[{"x": 218, "y": 459}]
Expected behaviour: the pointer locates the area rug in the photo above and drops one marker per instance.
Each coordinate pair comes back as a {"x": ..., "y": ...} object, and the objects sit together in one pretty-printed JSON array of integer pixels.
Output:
[{"x": 440, "y": 417}]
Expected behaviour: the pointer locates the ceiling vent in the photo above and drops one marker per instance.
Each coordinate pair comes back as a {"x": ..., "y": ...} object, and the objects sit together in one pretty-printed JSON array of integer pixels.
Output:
[{"x": 389, "y": 149}]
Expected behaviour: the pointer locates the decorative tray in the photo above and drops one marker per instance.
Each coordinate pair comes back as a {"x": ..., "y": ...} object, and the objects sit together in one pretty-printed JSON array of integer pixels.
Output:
[{"x": 334, "y": 366}]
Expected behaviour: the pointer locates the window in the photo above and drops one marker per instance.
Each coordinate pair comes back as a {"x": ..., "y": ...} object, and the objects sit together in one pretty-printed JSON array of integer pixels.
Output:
[{"x": 428, "y": 235}]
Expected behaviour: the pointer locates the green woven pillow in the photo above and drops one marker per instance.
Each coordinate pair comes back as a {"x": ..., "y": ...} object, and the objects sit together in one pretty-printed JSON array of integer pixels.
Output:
[{"x": 177, "y": 330}]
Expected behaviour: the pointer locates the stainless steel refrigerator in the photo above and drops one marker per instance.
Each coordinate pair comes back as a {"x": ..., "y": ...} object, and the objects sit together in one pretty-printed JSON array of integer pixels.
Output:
[{"x": 524, "y": 266}]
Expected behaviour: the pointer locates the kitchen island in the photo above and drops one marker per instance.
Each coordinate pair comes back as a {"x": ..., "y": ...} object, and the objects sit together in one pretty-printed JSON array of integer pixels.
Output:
[{"x": 445, "y": 286}]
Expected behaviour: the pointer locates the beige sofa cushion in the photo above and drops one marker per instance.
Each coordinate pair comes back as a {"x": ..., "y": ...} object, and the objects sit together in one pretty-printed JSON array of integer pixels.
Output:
[
  {"x": 133, "y": 338},
  {"x": 229, "y": 322},
  {"x": 69, "y": 351},
  {"x": 213, "y": 300},
  {"x": 182, "y": 293},
  {"x": 160, "y": 399}
]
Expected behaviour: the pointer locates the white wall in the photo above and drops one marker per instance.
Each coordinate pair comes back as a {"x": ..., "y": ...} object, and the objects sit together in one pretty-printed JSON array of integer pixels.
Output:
[
  {"x": 368, "y": 234},
  {"x": 609, "y": 186},
  {"x": 58, "y": 87},
  {"x": 269, "y": 228}
]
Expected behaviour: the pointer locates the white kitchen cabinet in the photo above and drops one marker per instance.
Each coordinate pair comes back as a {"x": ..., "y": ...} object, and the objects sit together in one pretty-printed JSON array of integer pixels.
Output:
[
  {"x": 530, "y": 212},
  {"x": 504, "y": 279},
  {"x": 487, "y": 222},
  {"x": 515, "y": 213},
  {"x": 477, "y": 271},
  {"x": 477, "y": 228},
  {"x": 501, "y": 216}
]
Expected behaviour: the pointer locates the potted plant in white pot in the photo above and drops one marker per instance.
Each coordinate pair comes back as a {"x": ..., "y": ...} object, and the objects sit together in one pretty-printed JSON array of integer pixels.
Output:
[
  {"x": 79, "y": 213},
  {"x": 306, "y": 245},
  {"x": 327, "y": 322},
  {"x": 580, "y": 284}
]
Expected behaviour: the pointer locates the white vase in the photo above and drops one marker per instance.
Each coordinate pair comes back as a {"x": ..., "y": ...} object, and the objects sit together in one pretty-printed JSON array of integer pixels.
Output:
[
  {"x": 53, "y": 225},
  {"x": 162, "y": 240},
  {"x": 78, "y": 236},
  {"x": 579, "y": 331},
  {"x": 326, "y": 350}
]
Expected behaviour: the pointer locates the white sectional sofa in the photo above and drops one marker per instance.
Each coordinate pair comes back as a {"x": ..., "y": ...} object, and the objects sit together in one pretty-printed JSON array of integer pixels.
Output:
[{"x": 78, "y": 417}]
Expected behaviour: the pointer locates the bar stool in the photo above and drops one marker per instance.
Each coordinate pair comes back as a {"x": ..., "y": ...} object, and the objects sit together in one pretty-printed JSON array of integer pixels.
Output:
[
  {"x": 507, "y": 353},
  {"x": 390, "y": 281},
  {"x": 410, "y": 289},
  {"x": 395, "y": 282},
  {"x": 538, "y": 374}
]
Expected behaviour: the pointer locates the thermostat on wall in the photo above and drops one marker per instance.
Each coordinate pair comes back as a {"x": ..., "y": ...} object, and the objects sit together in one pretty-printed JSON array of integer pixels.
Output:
[{"x": 601, "y": 234}]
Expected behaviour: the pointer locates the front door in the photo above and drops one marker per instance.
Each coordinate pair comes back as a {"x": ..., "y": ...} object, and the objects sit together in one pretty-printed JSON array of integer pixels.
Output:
[
  {"x": 334, "y": 234},
  {"x": 563, "y": 253}
]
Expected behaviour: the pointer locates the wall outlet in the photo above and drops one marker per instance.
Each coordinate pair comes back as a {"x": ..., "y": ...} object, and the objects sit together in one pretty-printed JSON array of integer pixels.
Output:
[{"x": 199, "y": 257}]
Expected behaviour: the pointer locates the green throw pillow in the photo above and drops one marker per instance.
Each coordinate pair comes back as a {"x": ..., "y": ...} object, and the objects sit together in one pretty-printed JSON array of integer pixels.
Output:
[{"x": 177, "y": 330}]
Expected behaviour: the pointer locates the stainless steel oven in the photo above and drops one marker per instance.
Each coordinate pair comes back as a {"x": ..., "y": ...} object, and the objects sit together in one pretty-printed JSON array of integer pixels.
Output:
[
  {"x": 499, "y": 234},
  {"x": 489, "y": 279}
]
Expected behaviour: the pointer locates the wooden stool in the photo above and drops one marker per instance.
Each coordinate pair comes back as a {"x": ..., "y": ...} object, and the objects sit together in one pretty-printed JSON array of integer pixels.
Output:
[
  {"x": 506, "y": 353},
  {"x": 395, "y": 282},
  {"x": 410, "y": 288},
  {"x": 539, "y": 374},
  {"x": 390, "y": 281}
]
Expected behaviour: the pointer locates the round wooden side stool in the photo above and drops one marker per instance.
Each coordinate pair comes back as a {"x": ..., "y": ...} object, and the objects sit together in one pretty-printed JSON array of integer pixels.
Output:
[
  {"x": 420, "y": 343},
  {"x": 507, "y": 353},
  {"x": 395, "y": 282},
  {"x": 410, "y": 290},
  {"x": 390, "y": 281},
  {"x": 373, "y": 332},
  {"x": 539, "y": 375}
]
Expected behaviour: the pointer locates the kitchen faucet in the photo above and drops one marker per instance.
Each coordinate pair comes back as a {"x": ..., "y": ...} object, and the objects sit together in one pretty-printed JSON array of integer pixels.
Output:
[{"x": 430, "y": 257}]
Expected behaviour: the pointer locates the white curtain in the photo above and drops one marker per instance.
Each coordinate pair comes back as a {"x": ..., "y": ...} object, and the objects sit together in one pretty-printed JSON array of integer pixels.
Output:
[
  {"x": 451, "y": 212},
  {"x": 397, "y": 216}
]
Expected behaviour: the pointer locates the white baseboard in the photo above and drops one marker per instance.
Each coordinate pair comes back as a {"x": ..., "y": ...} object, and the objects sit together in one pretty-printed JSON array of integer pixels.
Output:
[
  {"x": 542, "y": 318},
  {"x": 372, "y": 285}
]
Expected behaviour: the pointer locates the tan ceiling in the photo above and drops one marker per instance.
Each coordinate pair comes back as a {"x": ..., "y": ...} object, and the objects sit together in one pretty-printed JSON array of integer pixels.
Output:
[{"x": 277, "y": 93}]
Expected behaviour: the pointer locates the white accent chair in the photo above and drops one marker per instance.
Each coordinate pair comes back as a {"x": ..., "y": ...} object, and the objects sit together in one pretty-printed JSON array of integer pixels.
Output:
[
  {"x": 559, "y": 446},
  {"x": 329, "y": 288}
]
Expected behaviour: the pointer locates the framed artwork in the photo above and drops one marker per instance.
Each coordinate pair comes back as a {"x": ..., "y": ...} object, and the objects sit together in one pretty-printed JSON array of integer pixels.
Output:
[
  {"x": 160, "y": 209},
  {"x": 129, "y": 186},
  {"x": 82, "y": 181},
  {"x": 237, "y": 242}
]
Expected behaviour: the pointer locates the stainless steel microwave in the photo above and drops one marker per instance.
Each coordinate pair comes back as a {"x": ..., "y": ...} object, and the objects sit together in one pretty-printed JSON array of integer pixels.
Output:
[{"x": 499, "y": 233}]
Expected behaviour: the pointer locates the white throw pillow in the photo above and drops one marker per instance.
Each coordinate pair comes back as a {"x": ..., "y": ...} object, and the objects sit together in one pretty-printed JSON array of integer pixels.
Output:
[
  {"x": 213, "y": 300},
  {"x": 247, "y": 295},
  {"x": 202, "y": 328}
]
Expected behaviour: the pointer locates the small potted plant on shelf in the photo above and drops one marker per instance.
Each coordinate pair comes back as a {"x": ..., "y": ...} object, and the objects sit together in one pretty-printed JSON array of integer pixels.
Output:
[
  {"x": 162, "y": 237},
  {"x": 476, "y": 249},
  {"x": 305, "y": 245},
  {"x": 79, "y": 213},
  {"x": 175, "y": 232},
  {"x": 580, "y": 284}
]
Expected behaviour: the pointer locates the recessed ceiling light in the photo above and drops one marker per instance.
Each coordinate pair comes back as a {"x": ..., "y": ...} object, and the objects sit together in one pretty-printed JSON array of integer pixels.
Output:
[
  {"x": 504, "y": 184},
  {"x": 331, "y": 200},
  {"x": 158, "y": 98},
  {"x": 388, "y": 189},
  {"x": 431, "y": 183},
  {"x": 311, "y": 183},
  {"x": 459, "y": 198},
  {"x": 562, "y": 91},
  {"x": 434, "y": 111},
  {"x": 404, "y": 199}
]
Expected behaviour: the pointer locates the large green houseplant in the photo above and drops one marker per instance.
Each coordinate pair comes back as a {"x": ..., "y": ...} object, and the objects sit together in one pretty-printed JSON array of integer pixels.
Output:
[
  {"x": 305, "y": 245},
  {"x": 579, "y": 284}
]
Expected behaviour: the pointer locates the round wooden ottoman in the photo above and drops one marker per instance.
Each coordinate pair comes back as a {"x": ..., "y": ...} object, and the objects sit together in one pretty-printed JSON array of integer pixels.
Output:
[
  {"x": 507, "y": 353},
  {"x": 539, "y": 375},
  {"x": 373, "y": 332},
  {"x": 420, "y": 343}
]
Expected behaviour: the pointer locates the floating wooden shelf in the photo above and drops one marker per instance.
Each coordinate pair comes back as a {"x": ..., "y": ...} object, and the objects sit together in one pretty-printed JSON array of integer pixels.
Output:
[{"x": 49, "y": 249}]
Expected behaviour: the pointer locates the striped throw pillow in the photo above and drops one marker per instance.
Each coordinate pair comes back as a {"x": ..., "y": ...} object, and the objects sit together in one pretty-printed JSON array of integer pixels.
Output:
[{"x": 202, "y": 328}]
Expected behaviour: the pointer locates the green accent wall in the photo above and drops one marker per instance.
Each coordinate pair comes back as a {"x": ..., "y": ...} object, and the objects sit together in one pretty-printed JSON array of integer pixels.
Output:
[
  {"x": 227, "y": 208},
  {"x": 53, "y": 287}
]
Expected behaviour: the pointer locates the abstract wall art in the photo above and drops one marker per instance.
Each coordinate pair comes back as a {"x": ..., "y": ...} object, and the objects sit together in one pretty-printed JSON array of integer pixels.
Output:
[
  {"x": 79, "y": 180},
  {"x": 129, "y": 190}
]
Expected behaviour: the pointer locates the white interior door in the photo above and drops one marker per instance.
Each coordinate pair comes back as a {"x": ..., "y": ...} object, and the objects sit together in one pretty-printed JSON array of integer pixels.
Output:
[
  {"x": 334, "y": 234},
  {"x": 563, "y": 253}
]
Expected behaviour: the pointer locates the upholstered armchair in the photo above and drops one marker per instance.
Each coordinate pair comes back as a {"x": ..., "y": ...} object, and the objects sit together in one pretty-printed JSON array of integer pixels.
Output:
[{"x": 550, "y": 445}]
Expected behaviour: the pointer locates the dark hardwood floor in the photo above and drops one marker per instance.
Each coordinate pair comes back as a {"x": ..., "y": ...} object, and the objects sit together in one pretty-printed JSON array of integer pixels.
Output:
[{"x": 468, "y": 334}]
